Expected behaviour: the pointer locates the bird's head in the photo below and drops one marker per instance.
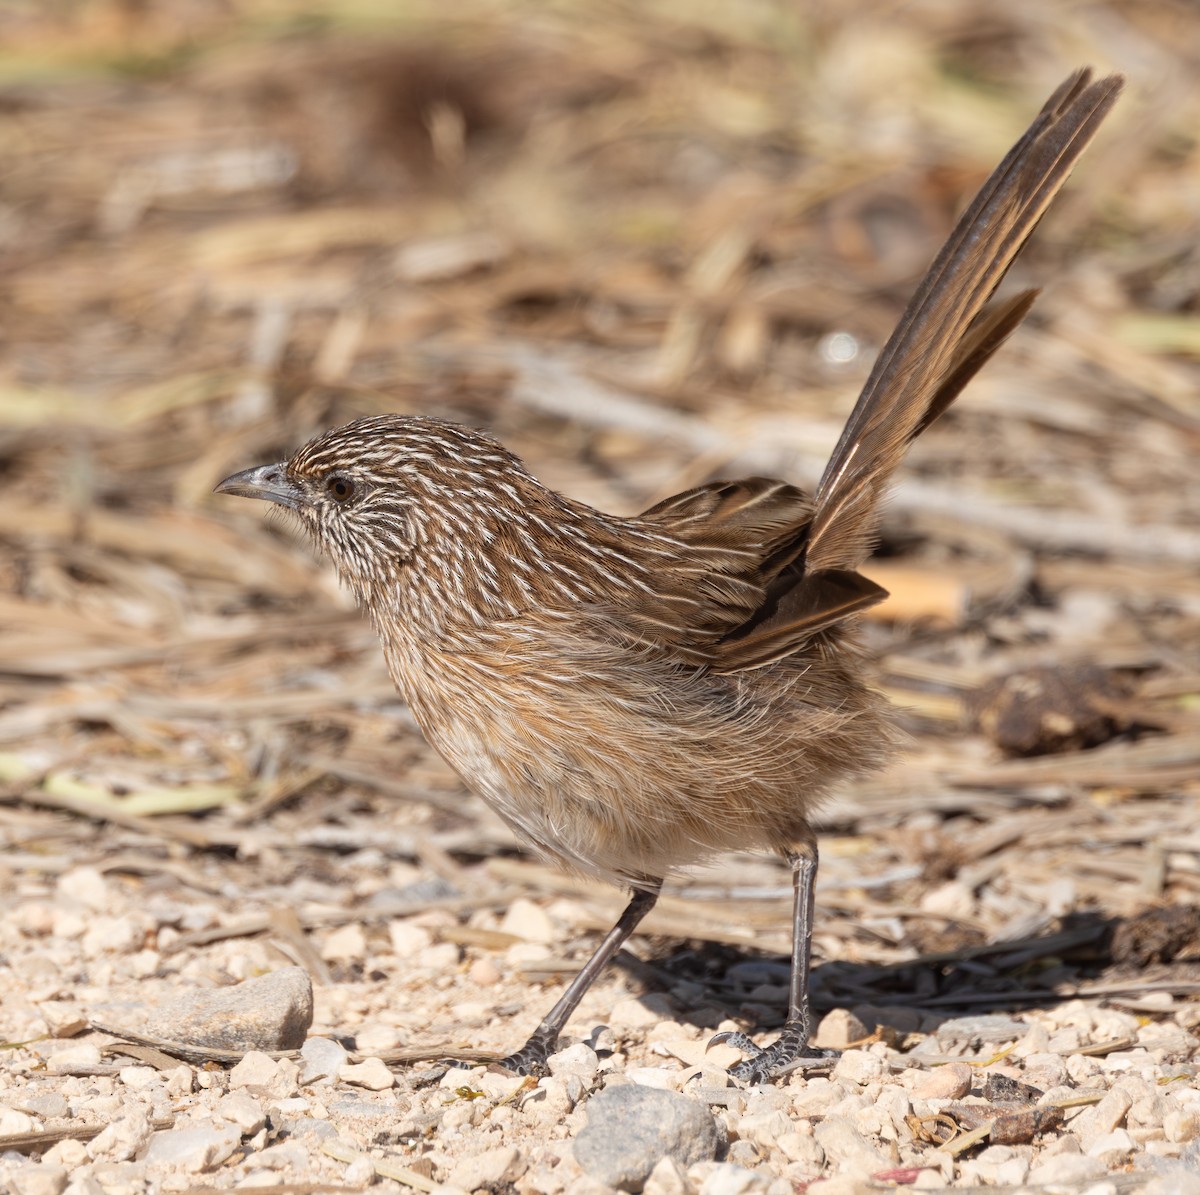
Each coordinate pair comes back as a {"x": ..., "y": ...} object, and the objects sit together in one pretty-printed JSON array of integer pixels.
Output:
[{"x": 376, "y": 493}]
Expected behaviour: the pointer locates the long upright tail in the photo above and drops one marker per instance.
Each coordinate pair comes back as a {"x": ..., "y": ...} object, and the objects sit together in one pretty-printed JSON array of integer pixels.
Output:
[{"x": 945, "y": 335}]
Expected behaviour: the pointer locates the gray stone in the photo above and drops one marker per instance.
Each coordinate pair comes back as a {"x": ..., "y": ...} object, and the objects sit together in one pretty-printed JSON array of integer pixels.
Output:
[
  {"x": 304, "y": 1126},
  {"x": 986, "y": 1029},
  {"x": 51, "y": 1105},
  {"x": 194, "y": 1150},
  {"x": 630, "y": 1129},
  {"x": 272, "y": 1012},
  {"x": 321, "y": 1059}
]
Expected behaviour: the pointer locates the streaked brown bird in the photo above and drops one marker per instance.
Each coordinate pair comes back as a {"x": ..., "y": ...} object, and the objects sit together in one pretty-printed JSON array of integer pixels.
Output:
[{"x": 633, "y": 695}]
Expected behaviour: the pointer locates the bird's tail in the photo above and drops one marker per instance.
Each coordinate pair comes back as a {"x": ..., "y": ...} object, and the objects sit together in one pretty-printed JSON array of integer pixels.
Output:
[{"x": 945, "y": 334}]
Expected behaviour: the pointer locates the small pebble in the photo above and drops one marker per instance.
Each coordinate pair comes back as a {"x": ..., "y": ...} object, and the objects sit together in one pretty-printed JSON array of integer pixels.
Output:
[
  {"x": 1113, "y": 1149},
  {"x": 407, "y": 939},
  {"x": 640, "y": 1013},
  {"x": 64, "y": 1018},
  {"x": 489, "y": 1169},
  {"x": 528, "y": 921},
  {"x": 85, "y": 886},
  {"x": 193, "y": 1150},
  {"x": 242, "y": 1109},
  {"x": 274, "y": 1078},
  {"x": 484, "y": 973},
  {"x": 34, "y": 1178},
  {"x": 321, "y": 1060},
  {"x": 371, "y": 1073},
  {"x": 13, "y": 1122},
  {"x": 858, "y": 1066},
  {"x": 839, "y": 1030},
  {"x": 949, "y": 1082},
  {"x": 579, "y": 1059},
  {"x": 73, "y": 1059},
  {"x": 124, "y": 1138},
  {"x": 1065, "y": 1168},
  {"x": 346, "y": 944}
]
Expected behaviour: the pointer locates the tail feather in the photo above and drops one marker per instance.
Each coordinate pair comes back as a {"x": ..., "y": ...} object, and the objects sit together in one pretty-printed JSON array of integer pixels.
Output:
[{"x": 938, "y": 344}]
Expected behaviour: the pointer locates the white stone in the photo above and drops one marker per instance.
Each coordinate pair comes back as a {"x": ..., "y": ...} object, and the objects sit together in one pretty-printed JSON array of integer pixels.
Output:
[
  {"x": 124, "y": 1138},
  {"x": 83, "y": 1056},
  {"x": 322, "y": 1060},
  {"x": 112, "y": 935},
  {"x": 12, "y": 1122},
  {"x": 858, "y": 1066},
  {"x": 951, "y": 899},
  {"x": 36, "y": 1178},
  {"x": 633, "y": 1014},
  {"x": 276, "y": 1078},
  {"x": 242, "y": 1109},
  {"x": 373, "y": 1039},
  {"x": 528, "y": 921},
  {"x": 667, "y": 1178},
  {"x": 653, "y": 1076},
  {"x": 727, "y": 1178},
  {"x": 844, "y": 1145},
  {"x": 765, "y": 1128},
  {"x": 949, "y": 1082},
  {"x": 579, "y": 1059},
  {"x": 1182, "y": 1124},
  {"x": 193, "y": 1150},
  {"x": 371, "y": 1073},
  {"x": 69, "y": 1154},
  {"x": 85, "y": 886},
  {"x": 63, "y": 1018},
  {"x": 803, "y": 1149},
  {"x": 347, "y": 944},
  {"x": 488, "y": 1169},
  {"x": 1066, "y": 1168},
  {"x": 407, "y": 939},
  {"x": 998, "y": 1165},
  {"x": 839, "y": 1030},
  {"x": 1113, "y": 1149},
  {"x": 441, "y": 956},
  {"x": 138, "y": 1078}
]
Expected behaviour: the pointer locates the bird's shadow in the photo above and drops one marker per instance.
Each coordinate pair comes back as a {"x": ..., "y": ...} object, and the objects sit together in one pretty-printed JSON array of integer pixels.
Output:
[{"x": 1087, "y": 956}]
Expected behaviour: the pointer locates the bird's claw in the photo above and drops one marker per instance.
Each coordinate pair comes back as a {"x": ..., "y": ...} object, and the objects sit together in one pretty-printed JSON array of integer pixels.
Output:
[
  {"x": 531, "y": 1059},
  {"x": 789, "y": 1051}
]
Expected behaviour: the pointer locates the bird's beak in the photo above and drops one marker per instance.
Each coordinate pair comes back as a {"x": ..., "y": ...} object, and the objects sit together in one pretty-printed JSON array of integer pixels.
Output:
[{"x": 268, "y": 482}]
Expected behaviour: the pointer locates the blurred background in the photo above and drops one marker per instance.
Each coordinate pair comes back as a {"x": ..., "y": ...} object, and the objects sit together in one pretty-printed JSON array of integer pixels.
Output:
[{"x": 646, "y": 244}]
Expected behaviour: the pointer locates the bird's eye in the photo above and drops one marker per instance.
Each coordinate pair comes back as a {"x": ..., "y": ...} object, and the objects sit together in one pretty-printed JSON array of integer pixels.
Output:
[{"x": 339, "y": 487}]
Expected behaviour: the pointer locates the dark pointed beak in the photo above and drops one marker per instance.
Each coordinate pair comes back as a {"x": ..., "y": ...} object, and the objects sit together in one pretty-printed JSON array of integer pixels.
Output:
[{"x": 268, "y": 482}]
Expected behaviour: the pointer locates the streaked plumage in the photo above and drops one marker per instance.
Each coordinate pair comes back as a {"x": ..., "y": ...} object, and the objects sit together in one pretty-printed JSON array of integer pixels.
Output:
[{"x": 635, "y": 694}]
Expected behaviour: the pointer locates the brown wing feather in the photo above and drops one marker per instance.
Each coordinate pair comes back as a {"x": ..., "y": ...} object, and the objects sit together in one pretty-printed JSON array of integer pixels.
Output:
[{"x": 738, "y": 536}]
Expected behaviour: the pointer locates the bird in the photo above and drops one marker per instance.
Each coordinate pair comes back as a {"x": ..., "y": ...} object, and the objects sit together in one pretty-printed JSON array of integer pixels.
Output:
[{"x": 633, "y": 695}]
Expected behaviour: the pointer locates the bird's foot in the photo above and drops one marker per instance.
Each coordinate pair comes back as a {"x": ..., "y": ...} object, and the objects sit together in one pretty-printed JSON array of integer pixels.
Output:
[
  {"x": 531, "y": 1059},
  {"x": 788, "y": 1052}
]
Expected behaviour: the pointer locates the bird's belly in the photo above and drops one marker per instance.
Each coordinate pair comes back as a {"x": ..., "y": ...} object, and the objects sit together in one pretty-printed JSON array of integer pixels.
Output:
[{"x": 625, "y": 773}]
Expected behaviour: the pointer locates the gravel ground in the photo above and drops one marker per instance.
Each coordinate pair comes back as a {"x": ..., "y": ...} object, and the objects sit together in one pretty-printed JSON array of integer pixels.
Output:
[{"x": 1073, "y": 1098}]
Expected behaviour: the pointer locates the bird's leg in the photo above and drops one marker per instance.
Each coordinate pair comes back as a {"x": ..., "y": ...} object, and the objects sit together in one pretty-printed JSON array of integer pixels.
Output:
[
  {"x": 531, "y": 1058},
  {"x": 792, "y": 1043}
]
